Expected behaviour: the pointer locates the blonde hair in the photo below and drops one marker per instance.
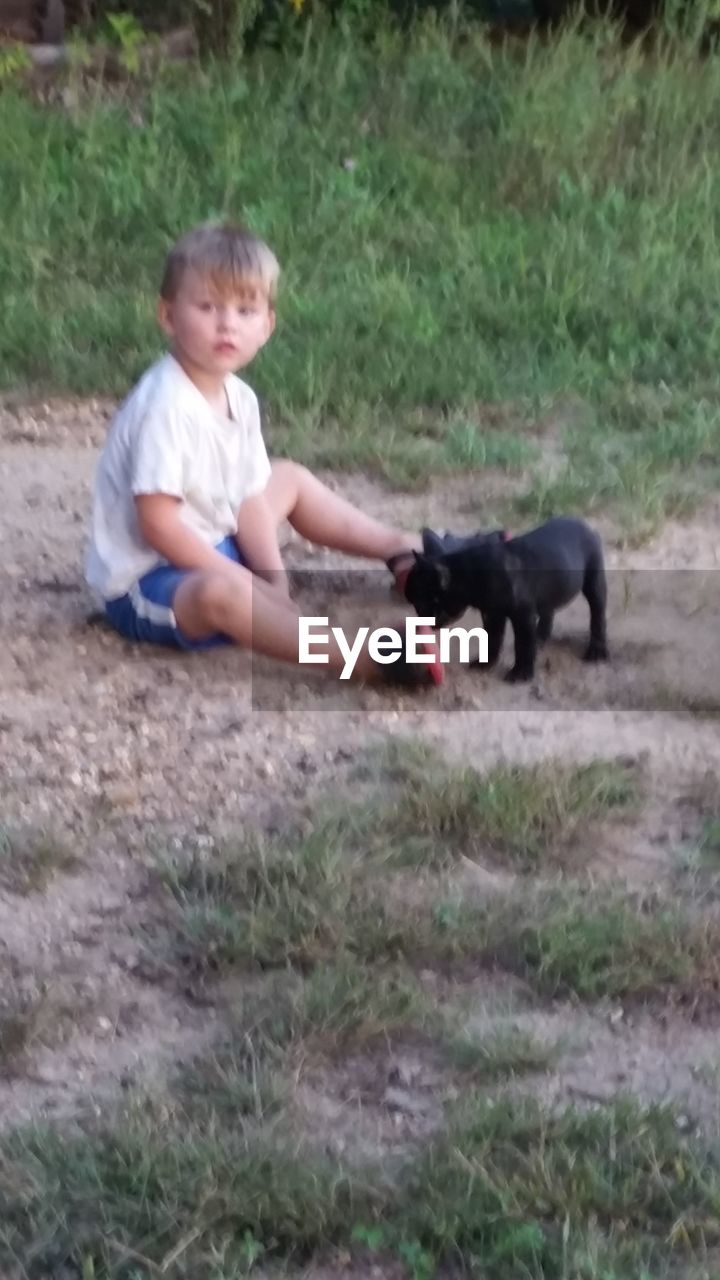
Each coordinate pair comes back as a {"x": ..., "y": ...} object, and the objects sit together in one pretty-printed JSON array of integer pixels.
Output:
[{"x": 232, "y": 259}]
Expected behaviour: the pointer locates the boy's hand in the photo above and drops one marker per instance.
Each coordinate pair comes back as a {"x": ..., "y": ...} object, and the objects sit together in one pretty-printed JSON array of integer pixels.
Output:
[{"x": 258, "y": 542}]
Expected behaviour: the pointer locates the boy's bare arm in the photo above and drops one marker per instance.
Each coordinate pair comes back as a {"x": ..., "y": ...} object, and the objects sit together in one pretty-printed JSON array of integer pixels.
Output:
[
  {"x": 160, "y": 525},
  {"x": 257, "y": 537}
]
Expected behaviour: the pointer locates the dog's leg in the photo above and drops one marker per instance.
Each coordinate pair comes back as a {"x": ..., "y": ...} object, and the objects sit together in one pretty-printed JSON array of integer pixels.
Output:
[
  {"x": 524, "y": 629},
  {"x": 494, "y": 624},
  {"x": 595, "y": 592},
  {"x": 546, "y": 618}
]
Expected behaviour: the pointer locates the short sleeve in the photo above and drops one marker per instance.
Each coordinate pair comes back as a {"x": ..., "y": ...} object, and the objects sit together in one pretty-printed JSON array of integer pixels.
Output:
[
  {"x": 258, "y": 463},
  {"x": 158, "y": 458}
]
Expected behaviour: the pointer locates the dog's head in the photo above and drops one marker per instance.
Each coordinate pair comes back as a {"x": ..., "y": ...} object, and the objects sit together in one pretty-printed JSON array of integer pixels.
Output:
[
  {"x": 451, "y": 574},
  {"x": 434, "y": 591}
]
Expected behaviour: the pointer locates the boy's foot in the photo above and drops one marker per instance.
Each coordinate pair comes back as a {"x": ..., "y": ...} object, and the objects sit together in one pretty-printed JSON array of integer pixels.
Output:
[{"x": 429, "y": 671}]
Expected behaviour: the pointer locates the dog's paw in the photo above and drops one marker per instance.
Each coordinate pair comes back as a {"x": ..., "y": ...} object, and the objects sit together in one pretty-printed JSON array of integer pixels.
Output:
[
  {"x": 517, "y": 675},
  {"x": 596, "y": 652},
  {"x": 476, "y": 663}
]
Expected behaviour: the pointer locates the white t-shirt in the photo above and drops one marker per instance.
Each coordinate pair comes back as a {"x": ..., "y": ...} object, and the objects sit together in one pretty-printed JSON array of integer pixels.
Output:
[{"x": 166, "y": 438}]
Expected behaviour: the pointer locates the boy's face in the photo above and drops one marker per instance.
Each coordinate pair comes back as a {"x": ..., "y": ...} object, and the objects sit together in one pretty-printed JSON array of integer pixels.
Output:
[{"x": 218, "y": 335}]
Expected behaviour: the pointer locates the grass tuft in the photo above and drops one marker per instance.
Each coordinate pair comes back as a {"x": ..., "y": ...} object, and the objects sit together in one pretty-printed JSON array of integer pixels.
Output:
[
  {"x": 270, "y": 904},
  {"x": 573, "y": 943},
  {"x": 165, "y": 1195},
  {"x": 29, "y": 858},
  {"x": 531, "y": 1193},
  {"x": 525, "y": 817},
  {"x": 500, "y": 1054},
  {"x": 562, "y": 942}
]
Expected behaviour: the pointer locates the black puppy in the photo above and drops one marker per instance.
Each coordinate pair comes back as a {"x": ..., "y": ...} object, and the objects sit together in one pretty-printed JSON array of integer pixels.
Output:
[{"x": 525, "y": 579}]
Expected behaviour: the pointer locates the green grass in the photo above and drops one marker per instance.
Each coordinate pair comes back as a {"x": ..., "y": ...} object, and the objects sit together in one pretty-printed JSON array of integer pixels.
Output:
[
  {"x": 525, "y": 1193},
  {"x": 307, "y": 897},
  {"x": 285, "y": 1029},
  {"x": 303, "y": 908},
  {"x": 507, "y": 1186},
  {"x": 529, "y": 226},
  {"x": 339, "y": 893},
  {"x": 642, "y": 466},
  {"x": 159, "y": 1188},
  {"x": 269, "y": 904},
  {"x": 340, "y": 1006},
  {"x": 574, "y": 943},
  {"x": 346, "y": 1005},
  {"x": 499, "y": 1054},
  {"x": 601, "y": 945},
  {"x": 697, "y": 859},
  {"x": 30, "y": 857},
  {"x": 709, "y": 841},
  {"x": 525, "y": 817}
]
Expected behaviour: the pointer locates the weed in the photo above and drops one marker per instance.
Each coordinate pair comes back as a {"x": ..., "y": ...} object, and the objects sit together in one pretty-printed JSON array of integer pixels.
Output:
[{"x": 129, "y": 36}]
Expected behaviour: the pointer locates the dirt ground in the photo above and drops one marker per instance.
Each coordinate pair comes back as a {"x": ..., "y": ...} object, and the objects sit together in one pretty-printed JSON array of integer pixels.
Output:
[{"x": 120, "y": 750}]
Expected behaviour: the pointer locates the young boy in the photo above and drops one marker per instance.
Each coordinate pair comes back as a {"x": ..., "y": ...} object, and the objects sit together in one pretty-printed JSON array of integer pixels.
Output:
[{"x": 187, "y": 505}]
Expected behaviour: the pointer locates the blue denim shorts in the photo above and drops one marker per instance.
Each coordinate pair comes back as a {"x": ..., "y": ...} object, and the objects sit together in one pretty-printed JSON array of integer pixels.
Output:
[{"x": 145, "y": 613}]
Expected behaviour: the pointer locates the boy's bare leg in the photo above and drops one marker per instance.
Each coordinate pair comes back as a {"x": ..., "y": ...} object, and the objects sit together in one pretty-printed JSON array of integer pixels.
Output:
[
  {"x": 255, "y": 616},
  {"x": 323, "y": 517}
]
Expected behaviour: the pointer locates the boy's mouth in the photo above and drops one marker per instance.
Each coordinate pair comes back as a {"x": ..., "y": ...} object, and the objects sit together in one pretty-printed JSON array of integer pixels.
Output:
[{"x": 226, "y": 348}]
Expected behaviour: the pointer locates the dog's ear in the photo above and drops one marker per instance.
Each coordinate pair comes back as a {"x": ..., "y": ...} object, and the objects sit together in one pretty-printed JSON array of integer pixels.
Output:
[{"x": 433, "y": 544}]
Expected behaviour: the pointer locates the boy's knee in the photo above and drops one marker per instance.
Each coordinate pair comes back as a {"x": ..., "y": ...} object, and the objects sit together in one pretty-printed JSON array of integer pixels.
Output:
[
  {"x": 214, "y": 596},
  {"x": 284, "y": 470}
]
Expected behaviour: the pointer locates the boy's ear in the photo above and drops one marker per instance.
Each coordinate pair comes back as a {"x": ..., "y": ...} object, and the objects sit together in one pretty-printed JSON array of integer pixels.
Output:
[{"x": 162, "y": 313}]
